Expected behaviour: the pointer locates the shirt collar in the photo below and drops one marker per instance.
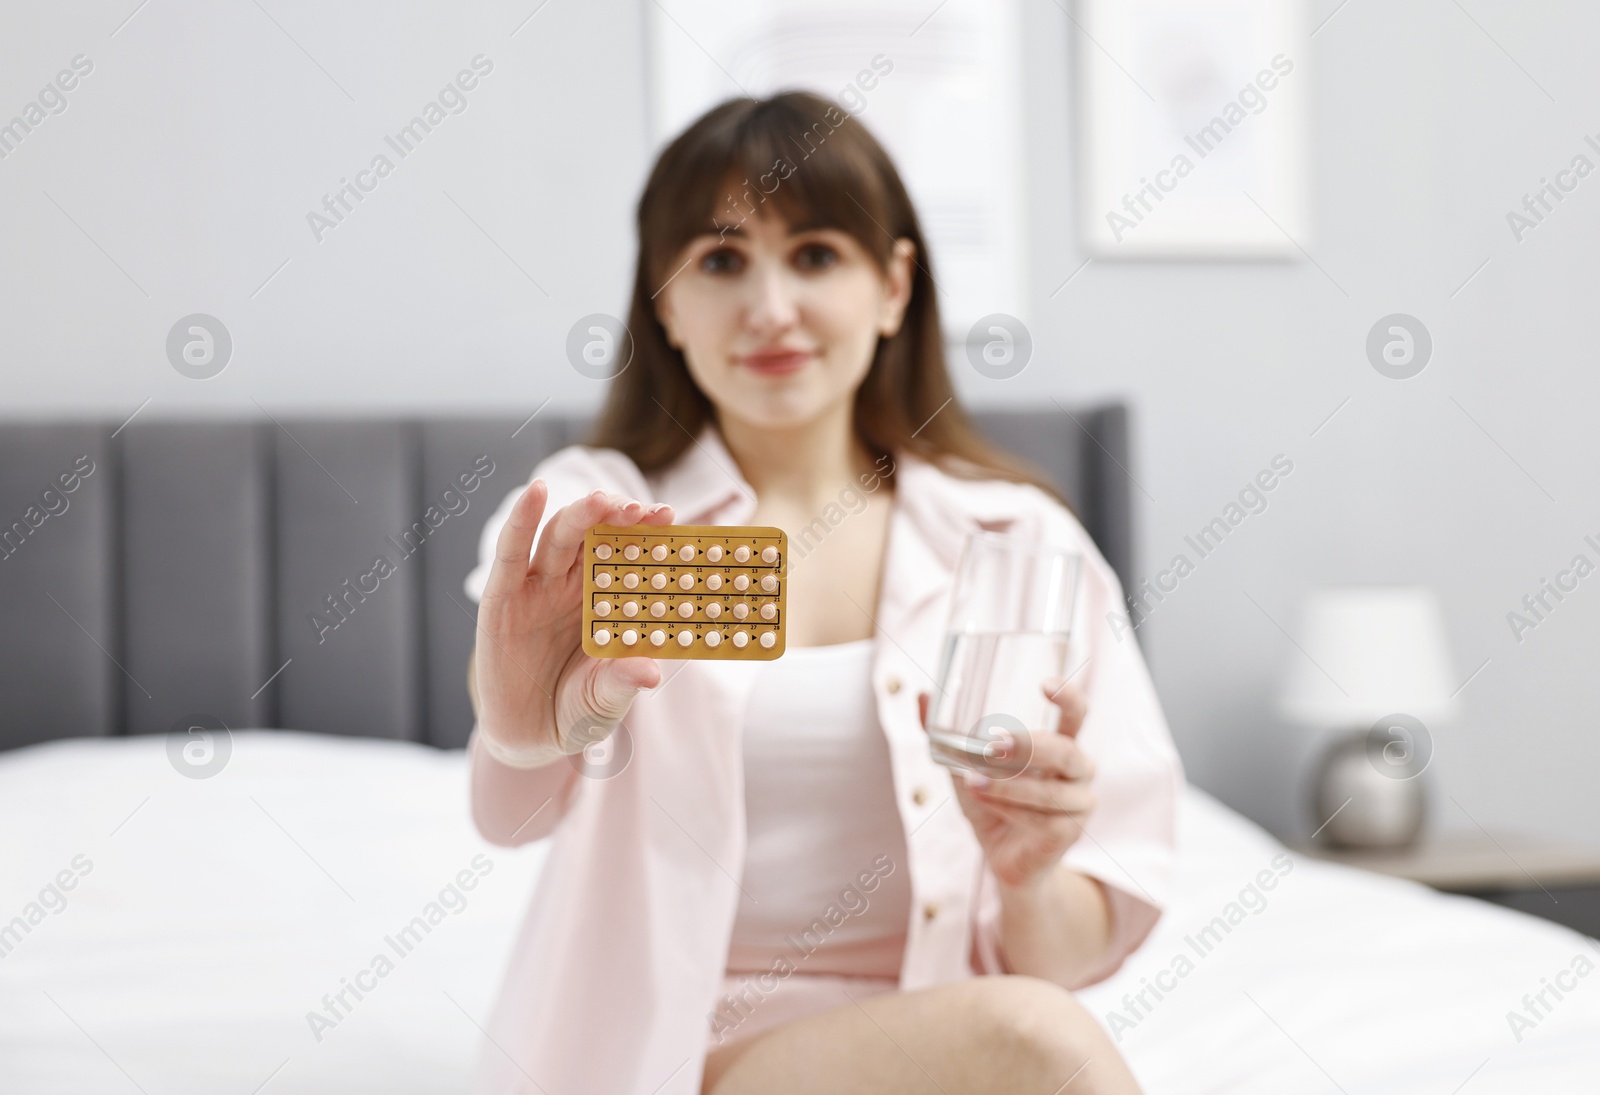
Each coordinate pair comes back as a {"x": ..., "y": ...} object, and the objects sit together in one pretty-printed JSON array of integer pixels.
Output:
[
  {"x": 704, "y": 481},
  {"x": 939, "y": 509}
]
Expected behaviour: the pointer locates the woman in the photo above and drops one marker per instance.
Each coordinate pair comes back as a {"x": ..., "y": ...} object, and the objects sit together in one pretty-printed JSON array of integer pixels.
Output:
[{"x": 761, "y": 885}]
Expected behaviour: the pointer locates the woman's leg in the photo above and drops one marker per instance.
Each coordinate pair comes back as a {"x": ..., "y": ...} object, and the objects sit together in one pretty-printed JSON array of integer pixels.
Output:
[{"x": 1019, "y": 1035}]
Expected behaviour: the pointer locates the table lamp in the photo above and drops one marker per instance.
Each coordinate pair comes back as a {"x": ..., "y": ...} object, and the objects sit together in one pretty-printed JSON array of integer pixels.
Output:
[{"x": 1374, "y": 676}]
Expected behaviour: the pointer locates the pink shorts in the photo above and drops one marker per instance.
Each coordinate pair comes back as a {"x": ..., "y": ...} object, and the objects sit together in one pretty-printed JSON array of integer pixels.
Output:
[{"x": 756, "y": 1002}]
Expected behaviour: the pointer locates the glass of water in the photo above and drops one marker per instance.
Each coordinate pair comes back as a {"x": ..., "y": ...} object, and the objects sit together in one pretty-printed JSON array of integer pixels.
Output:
[{"x": 1010, "y": 625}]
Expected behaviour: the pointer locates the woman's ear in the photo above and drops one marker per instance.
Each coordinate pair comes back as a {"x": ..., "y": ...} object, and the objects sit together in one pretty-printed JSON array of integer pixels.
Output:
[
  {"x": 664, "y": 314},
  {"x": 897, "y": 282}
]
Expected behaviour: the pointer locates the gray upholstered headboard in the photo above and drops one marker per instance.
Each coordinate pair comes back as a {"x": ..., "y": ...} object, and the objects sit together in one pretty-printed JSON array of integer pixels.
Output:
[{"x": 182, "y": 567}]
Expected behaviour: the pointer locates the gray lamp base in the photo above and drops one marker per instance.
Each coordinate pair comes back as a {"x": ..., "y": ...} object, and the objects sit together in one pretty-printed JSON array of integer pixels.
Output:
[{"x": 1367, "y": 791}]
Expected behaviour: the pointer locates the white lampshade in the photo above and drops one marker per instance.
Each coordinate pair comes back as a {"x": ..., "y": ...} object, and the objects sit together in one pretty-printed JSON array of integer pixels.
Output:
[{"x": 1370, "y": 651}]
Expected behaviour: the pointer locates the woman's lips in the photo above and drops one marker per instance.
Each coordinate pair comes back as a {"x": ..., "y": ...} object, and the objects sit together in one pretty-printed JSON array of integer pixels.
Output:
[{"x": 774, "y": 363}]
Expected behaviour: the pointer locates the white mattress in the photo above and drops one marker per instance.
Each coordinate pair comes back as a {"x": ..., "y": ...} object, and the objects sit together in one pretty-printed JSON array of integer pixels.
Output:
[{"x": 215, "y": 914}]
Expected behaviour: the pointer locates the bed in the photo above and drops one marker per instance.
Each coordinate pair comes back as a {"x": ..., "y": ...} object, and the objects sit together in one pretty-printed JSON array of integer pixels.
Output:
[
  {"x": 216, "y": 914},
  {"x": 168, "y": 934}
]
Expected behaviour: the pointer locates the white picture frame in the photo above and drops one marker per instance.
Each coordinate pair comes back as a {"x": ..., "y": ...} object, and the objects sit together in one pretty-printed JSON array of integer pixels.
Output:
[{"x": 1193, "y": 128}]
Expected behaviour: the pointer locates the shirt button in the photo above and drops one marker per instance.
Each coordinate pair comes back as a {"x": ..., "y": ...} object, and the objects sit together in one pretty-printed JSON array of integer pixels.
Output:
[
  {"x": 919, "y": 796},
  {"x": 930, "y": 910},
  {"x": 892, "y": 684}
]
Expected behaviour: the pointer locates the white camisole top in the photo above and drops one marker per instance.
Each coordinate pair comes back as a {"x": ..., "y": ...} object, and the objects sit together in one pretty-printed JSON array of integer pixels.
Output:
[{"x": 825, "y": 881}]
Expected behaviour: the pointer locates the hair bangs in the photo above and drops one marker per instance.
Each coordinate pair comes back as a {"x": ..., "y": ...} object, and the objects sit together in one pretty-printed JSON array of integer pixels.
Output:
[{"x": 777, "y": 159}]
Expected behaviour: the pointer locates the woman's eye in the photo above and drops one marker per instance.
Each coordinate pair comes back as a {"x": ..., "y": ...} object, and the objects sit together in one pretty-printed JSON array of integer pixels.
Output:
[
  {"x": 816, "y": 256},
  {"x": 720, "y": 261}
]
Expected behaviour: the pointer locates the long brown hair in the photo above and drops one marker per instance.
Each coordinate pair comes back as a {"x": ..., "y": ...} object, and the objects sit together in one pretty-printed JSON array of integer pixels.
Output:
[{"x": 819, "y": 167}]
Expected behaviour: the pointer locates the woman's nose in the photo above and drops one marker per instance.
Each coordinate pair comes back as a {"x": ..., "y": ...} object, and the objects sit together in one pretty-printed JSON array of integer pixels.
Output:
[{"x": 774, "y": 306}]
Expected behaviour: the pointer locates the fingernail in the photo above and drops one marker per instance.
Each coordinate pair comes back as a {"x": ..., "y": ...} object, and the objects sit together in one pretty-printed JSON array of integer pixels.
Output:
[
  {"x": 1054, "y": 684},
  {"x": 975, "y": 781}
]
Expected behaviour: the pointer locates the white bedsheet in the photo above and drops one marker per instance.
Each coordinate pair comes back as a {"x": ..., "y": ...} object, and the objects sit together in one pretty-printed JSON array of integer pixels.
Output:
[{"x": 215, "y": 914}]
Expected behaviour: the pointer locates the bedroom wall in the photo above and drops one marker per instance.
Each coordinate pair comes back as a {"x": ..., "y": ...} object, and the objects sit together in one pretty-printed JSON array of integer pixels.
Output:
[{"x": 178, "y": 178}]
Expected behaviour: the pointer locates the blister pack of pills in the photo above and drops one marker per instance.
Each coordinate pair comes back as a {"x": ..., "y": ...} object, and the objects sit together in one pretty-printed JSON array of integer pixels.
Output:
[{"x": 685, "y": 591}]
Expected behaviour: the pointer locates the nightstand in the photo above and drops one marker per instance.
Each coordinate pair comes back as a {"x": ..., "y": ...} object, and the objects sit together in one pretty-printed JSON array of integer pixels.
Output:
[{"x": 1548, "y": 878}]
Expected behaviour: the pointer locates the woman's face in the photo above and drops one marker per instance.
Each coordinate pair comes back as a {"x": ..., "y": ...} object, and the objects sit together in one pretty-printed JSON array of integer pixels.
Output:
[{"x": 777, "y": 326}]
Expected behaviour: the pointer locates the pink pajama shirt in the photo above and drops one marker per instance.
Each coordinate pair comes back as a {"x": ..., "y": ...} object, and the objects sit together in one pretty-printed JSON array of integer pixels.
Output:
[{"x": 629, "y": 949}]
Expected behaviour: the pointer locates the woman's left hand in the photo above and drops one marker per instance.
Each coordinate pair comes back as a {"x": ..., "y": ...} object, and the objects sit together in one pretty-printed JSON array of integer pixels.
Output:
[{"x": 1030, "y": 808}]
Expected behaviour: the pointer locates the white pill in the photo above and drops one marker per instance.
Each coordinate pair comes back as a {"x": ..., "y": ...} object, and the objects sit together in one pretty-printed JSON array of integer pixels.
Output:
[
  {"x": 713, "y": 610},
  {"x": 602, "y": 637},
  {"x": 714, "y": 553},
  {"x": 658, "y": 580},
  {"x": 602, "y": 608},
  {"x": 658, "y": 609},
  {"x": 741, "y": 582},
  {"x": 602, "y": 581},
  {"x": 769, "y": 639},
  {"x": 768, "y": 611},
  {"x": 630, "y": 581},
  {"x": 659, "y": 552},
  {"x": 630, "y": 608},
  {"x": 686, "y": 582},
  {"x": 713, "y": 581},
  {"x": 602, "y": 551},
  {"x": 769, "y": 583},
  {"x": 657, "y": 637},
  {"x": 740, "y": 639},
  {"x": 713, "y": 638},
  {"x": 686, "y": 552},
  {"x": 685, "y": 638},
  {"x": 631, "y": 552},
  {"x": 769, "y": 554},
  {"x": 686, "y": 609},
  {"x": 741, "y": 610},
  {"x": 629, "y": 637},
  {"x": 741, "y": 554}
]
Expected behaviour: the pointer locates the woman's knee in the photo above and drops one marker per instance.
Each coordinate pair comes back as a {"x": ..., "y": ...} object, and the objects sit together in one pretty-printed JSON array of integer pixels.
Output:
[{"x": 1033, "y": 1020}]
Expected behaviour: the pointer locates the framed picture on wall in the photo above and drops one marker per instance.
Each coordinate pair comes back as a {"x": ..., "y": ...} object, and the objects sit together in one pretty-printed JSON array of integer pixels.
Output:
[{"x": 1192, "y": 128}]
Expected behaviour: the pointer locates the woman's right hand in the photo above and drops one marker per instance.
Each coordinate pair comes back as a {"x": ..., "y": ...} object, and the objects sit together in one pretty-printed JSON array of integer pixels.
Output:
[{"x": 540, "y": 697}]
